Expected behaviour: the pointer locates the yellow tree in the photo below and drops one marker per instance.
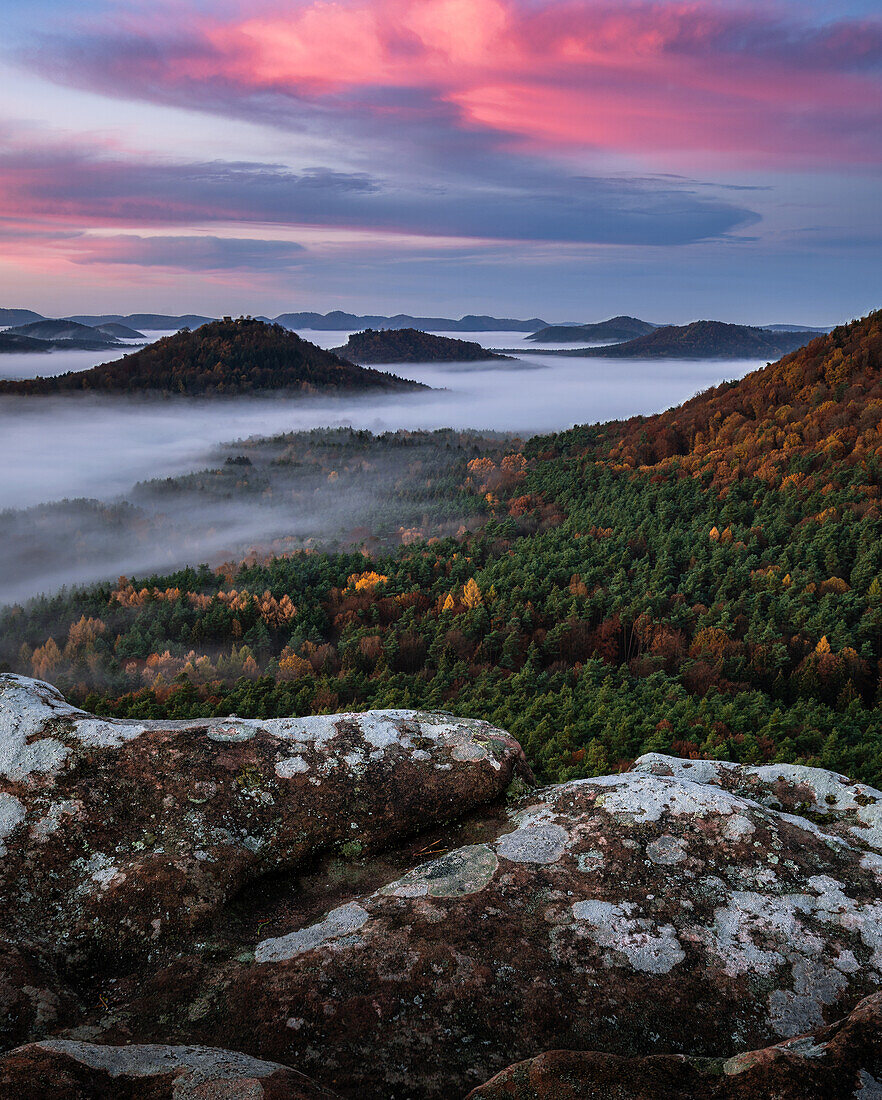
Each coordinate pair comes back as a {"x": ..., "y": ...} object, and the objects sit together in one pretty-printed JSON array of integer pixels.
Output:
[
  {"x": 471, "y": 594},
  {"x": 45, "y": 658}
]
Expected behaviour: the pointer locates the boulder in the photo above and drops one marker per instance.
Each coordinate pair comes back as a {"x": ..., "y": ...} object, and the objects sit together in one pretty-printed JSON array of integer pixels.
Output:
[
  {"x": 634, "y": 914},
  {"x": 840, "y": 1062},
  {"x": 116, "y": 836},
  {"x": 59, "y": 1069}
]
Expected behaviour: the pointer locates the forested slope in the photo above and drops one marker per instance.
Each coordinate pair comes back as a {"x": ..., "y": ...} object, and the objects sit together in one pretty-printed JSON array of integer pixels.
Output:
[{"x": 822, "y": 402}]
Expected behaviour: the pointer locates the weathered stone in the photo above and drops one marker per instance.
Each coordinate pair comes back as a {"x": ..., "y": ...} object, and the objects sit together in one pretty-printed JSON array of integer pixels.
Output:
[
  {"x": 634, "y": 914},
  {"x": 850, "y": 810},
  {"x": 672, "y": 918},
  {"x": 59, "y": 1069},
  {"x": 840, "y": 1062},
  {"x": 116, "y": 834}
]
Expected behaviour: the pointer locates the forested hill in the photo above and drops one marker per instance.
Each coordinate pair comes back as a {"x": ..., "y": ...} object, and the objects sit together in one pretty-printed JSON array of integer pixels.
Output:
[
  {"x": 64, "y": 331},
  {"x": 818, "y": 404},
  {"x": 410, "y": 345},
  {"x": 704, "y": 340},
  {"x": 12, "y": 342},
  {"x": 222, "y": 357},
  {"x": 616, "y": 328}
]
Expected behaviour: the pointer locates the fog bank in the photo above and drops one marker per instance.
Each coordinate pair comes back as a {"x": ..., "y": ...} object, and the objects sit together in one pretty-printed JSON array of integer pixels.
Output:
[{"x": 98, "y": 447}]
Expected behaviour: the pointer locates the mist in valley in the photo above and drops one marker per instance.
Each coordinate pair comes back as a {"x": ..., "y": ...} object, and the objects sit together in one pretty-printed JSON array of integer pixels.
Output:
[
  {"x": 328, "y": 488},
  {"x": 71, "y": 513}
]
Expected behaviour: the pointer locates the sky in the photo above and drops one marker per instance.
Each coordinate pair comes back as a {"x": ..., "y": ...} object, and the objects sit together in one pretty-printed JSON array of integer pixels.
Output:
[{"x": 566, "y": 159}]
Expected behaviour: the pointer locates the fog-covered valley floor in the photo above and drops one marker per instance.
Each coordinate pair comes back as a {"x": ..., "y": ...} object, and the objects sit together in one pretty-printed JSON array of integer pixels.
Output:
[{"x": 56, "y": 449}]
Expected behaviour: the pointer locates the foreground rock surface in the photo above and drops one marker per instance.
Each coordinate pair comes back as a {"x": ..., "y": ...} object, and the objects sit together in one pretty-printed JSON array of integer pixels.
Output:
[
  {"x": 839, "y": 1062},
  {"x": 632, "y": 914},
  {"x": 350, "y": 897},
  {"x": 59, "y": 1069},
  {"x": 116, "y": 834}
]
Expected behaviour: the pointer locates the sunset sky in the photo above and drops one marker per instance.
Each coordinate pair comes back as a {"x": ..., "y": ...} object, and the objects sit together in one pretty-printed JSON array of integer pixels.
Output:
[{"x": 674, "y": 159}]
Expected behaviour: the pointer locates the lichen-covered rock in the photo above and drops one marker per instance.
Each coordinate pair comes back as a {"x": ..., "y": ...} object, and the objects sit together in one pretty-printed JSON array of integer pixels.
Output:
[
  {"x": 59, "y": 1069},
  {"x": 840, "y": 1062},
  {"x": 115, "y": 834},
  {"x": 672, "y": 918},
  {"x": 632, "y": 914},
  {"x": 850, "y": 810}
]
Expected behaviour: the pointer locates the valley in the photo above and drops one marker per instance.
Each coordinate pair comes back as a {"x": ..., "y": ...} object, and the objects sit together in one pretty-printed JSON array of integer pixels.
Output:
[{"x": 654, "y": 584}]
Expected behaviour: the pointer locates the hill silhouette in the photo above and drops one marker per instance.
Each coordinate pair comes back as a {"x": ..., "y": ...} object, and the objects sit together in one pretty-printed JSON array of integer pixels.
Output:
[
  {"x": 19, "y": 316},
  {"x": 410, "y": 345},
  {"x": 337, "y": 320},
  {"x": 119, "y": 332},
  {"x": 702, "y": 340},
  {"x": 12, "y": 341},
  {"x": 223, "y": 357},
  {"x": 616, "y": 328},
  {"x": 143, "y": 320},
  {"x": 63, "y": 331}
]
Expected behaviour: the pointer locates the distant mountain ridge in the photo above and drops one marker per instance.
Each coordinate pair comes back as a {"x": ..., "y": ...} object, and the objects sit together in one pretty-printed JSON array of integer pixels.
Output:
[
  {"x": 340, "y": 321},
  {"x": 615, "y": 328},
  {"x": 410, "y": 345},
  {"x": 335, "y": 321},
  {"x": 622, "y": 327},
  {"x": 18, "y": 317},
  {"x": 222, "y": 357},
  {"x": 154, "y": 321},
  {"x": 700, "y": 340},
  {"x": 796, "y": 328}
]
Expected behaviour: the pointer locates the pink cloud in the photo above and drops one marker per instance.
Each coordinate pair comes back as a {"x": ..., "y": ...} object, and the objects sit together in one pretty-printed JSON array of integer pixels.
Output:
[
  {"x": 397, "y": 43},
  {"x": 750, "y": 84}
]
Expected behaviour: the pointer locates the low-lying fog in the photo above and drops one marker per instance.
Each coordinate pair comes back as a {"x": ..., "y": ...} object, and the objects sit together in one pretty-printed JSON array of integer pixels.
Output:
[
  {"x": 72, "y": 447},
  {"x": 29, "y": 364}
]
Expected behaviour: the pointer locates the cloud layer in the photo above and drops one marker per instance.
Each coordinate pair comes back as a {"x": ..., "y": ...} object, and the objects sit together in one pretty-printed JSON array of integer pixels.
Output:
[
  {"x": 256, "y": 137},
  {"x": 515, "y": 201},
  {"x": 763, "y": 83},
  {"x": 193, "y": 253}
]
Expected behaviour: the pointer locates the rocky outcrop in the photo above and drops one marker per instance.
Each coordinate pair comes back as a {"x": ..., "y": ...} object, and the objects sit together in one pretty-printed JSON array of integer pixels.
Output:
[
  {"x": 116, "y": 835},
  {"x": 350, "y": 896},
  {"x": 839, "y": 1062},
  {"x": 59, "y": 1069},
  {"x": 849, "y": 810},
  {"x": 631, "y": 914}
]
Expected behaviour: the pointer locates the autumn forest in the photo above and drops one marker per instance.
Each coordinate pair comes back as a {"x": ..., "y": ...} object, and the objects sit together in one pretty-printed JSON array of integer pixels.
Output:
[{"x": 706, "y": 582}]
